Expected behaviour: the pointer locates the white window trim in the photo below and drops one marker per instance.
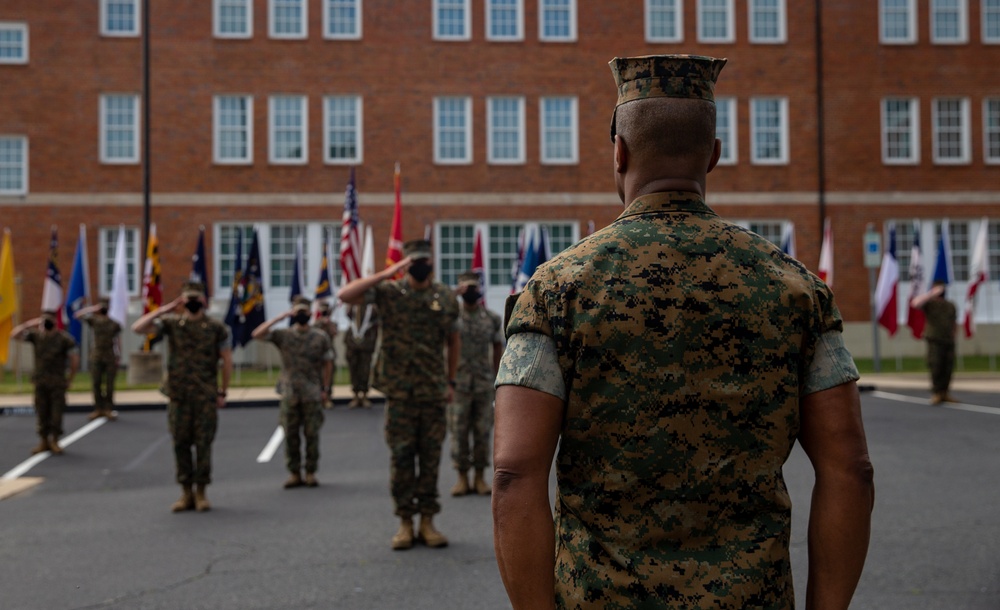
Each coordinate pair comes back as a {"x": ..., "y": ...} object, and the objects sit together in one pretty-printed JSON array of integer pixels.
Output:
[
  {"x": 271, "y": 157},
  {"x": 987, "y": 159},
  {"x": 23, "y": 27},
  {"x": 467, "y": 160},
  {"x": 102, "y": 144},
  {"x": 574, "y": 131},
  {"x": 785, "y": 153},
  {"x": 678, "y": 16},
  {"x": 359, "y": 110},
  {"x": 326, "y": 23},
  {"x": 966, "y": 157},
  {"x": 914, "y": 158},
  {"x": 911, "y": 11},
  {"x": 520, "y": 160},
  {"x": 466, "y": 27},
  {"x": 103, "y": 261},
  {"x": 217, "y": 19},
  {"x": 572, "y": 24},
  {"x": 733, "y": 137},
  {"x": 985, "y": 37},
  {"x": 24, "y": 167},
  {"x": 216, "y": 127},
  {"x": 130, "y": 34},
  {"x": 963, "y": 24},
  {"x": 730, "y": 26},
  {"x": 271, "y": 7},
  {"x": 782, "y": 25},
  {"x": 518, "y": 36}
]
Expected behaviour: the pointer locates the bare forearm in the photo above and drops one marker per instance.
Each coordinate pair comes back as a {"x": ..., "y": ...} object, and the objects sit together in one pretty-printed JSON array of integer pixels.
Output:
[
  {"x": 354, "y": 292},
  {"x": 524, "y": 539},
  {"x": 264, "y": 328}
]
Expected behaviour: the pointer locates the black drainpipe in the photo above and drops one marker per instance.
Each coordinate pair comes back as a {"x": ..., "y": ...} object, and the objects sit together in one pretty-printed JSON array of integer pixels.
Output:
[{"x": 820, "y": 119}]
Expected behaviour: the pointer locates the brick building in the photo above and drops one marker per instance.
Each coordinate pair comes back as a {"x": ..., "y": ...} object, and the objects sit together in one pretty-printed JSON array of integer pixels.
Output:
[{"x": 497, "y": 111}]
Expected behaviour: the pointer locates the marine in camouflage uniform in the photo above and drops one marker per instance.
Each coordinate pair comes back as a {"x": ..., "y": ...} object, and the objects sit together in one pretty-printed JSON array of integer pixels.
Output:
[
  {"x": 56, "y": 360},
  {"x": 418, "y": 322},
  {"x": 359, "y": 342},
  {"x": 306, "y": 369},
  {"x": 197, "y": 344},
  {"x": 328, "y": 326},
  {"x": 939, "y": 333},
  {"x": 471, "y": 412},
  {"x": 675, "y": 358},
  {"x": 103, "y": 357}
]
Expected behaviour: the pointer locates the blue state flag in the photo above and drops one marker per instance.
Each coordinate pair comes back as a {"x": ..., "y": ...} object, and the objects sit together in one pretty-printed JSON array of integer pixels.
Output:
[
  {"x": 76, "y": 297},
  {"x": 199, "y": 270},
  {"x": 234, "y": 314},
  {"x": 296, "y": 284},
  {"x": 252, "y": 295},
  {"x": 323, "y": 290},
  {"x": 942, "y": 266}
]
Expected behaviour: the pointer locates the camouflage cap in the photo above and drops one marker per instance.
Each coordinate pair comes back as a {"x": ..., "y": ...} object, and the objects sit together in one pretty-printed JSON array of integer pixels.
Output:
[
  {"x": 469, "y": 278},
  {"x": 192, "y": 289},
  {"x": 49, "y": 315},
  {"x": 681, "y": 76},
  {"x": 417, "y": 248},
  {"x": 323, "y": 306},
  {"x": 104, "y": 302},
  {"x": 301, "y": 303}
]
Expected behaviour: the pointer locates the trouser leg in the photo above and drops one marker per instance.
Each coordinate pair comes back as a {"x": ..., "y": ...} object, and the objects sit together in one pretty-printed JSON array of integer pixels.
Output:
[
  {"x": 291, "y": 422},
  {"x": 432, "y": 429},
  {"x": 482, "y": 425},
  {"x": 401, "y": 430},
  {"x": 312, "y": 422}
]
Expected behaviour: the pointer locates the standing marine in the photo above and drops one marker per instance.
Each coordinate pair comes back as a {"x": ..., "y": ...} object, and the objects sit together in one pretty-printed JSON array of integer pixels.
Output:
[
  {"x": 360, "y": 341},
  {"x": 105, "y": 355}
]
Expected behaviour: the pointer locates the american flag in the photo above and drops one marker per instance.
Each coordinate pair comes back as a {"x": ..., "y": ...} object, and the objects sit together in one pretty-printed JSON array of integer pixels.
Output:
[{"x": 350, "y": 240}]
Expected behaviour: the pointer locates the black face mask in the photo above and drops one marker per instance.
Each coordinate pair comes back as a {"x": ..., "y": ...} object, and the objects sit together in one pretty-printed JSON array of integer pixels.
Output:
[
  {"x": 49, "y": 324},
  {"x": 104, "y": 311},
  {"x": 471, "y": 296},
  {"x": 420, "y": 270},
  {"x": 193, "y": 305},
  {"x": 301, "y": 317}
]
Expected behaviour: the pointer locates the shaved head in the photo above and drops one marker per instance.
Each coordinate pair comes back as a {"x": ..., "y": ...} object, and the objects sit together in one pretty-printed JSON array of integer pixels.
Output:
[{"x": 665, "y": 130}]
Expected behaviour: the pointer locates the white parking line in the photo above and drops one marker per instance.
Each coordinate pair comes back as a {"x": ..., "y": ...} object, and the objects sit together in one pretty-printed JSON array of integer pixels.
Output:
[
  {"x": 272, "y": 445},
  {"x": 958, "y": 406},
  {"x": 36, "y": 459}
]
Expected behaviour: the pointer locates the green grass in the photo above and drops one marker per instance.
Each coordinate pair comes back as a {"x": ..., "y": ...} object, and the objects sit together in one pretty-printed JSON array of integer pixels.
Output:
[{"x": 918, "y": 364}]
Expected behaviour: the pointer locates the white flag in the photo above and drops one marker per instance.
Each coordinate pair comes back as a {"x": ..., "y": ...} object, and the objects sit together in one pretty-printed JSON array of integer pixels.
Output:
[
  {"x": 118, "y": 307},
  {"x": 979, "y": 274}
]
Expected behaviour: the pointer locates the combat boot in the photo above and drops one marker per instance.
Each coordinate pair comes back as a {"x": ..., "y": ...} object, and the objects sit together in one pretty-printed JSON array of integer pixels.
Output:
[
  {"x": 311, "y": 480},
  {"x": 294, "y": 480},
  {"x": 109, "y": 414},
  {"x": 42, "y": 446},
  {"x": 428, "y": 535},
  {"x": 355, "y": 402},
  {"x": 54, "y": 445},
  {"x": 200, "y": 501},
  {"x": 404, "y": 537},
  {"x": 186, "y": 501},
  {"x": 365, "y": 402},
  {"x": 462, "y": 486},
  {"x": 94, "y": 414},
  {"x": 936, "y": 399},
  {"x": 482, "y": 487}
]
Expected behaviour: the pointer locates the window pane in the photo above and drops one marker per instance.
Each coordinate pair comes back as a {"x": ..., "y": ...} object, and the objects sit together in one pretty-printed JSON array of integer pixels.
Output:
[
  {"x": 557, "y": 16},
  {"x": 949, "y": 125},
  {"x": 897, "y": 19},
  {"x": 991, "y": 127},
  {"x": 282, "y": 251},
  {"x": 342, "y": 125},
  {"x": 13, "y": 164},
  {"x": 767, "y": 124},
  {"x": 558, "y": 129},
  {"x": 663, "y": 19},
  {"x": 991, "y": 20},
  {"x": 131, "y": 266},
  {"x": 725, "y": 117},
  {"x": 342, "y": 18},
  {"x": 451, "y": 129},
  {"x": 456, "y": 244},
  {"x": 451, "y": 18},
  {"x": 120, "y": 16},
  {"x": 289, "y": 17},
  {"x": 505, "y": 129},
  {"x": 503, "y": 18},
  {"x": 765, "y": 16},
  {"x": 288, "y": 127},
  {"x": 714, "y": 20}
]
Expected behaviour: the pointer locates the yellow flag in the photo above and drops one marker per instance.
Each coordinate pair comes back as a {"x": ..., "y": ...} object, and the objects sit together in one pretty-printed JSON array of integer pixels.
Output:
[{"x": 8, "y": 295}]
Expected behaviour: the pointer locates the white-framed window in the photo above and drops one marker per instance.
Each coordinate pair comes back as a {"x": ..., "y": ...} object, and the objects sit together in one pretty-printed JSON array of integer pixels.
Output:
[
  {"x": 120, "y": 17},
  {"x": 453, "y": 130},
  {"x": 560, "y": 132},
  {"x": 281, "y": 250},
  {"x": 900, "y": 131},
  {"x": 991, "y": 130},
  {"x": 504, "y": 20},
  {"x": 557, "y": 20},
  {"x": 119, "y": 123},
  {"x": 771, "y": 230},
  {"x": 769, "y": 130},
  {"x": 950, "y": 118},
  {"x": 288, "y": 124},
  {"x": 452, "y": 20},
  {"x": 13, "y": 42},
  {"x": 224, "y": 245},
  {"x": 232, "y": 128},
  {"x": 288, "y": 19},
  {"x": 897, "y": 21},
  {"x": 232, "y": 18},
  {"x": 505, "y": 130},
  {"x": 989, "y": 15},
  {"x": 715, "y": 21},
  {"x": 342, "y": 122},
  {"x": 342, "y": 19},
  {"x": 725, "y": 128},
  {"x": 949, "y": 21},
  {"x": 13, "y": 165},
  {"x": 108, "y": 244},
  {"x": 767, "y": 21},
  {"x": 664, "y": 20}
]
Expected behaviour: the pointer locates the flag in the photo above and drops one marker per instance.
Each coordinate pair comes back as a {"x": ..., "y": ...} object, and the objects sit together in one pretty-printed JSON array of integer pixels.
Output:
[
  {"x": 394, "y": 253},
  {"x": 477, "y": 262},
  {"x": 516, "y": 270},
  {"x": 234, "y": 313},
  {"x": 368, "y": 257},
  {"x": 252, "y": 295},
  {"x": 536, "y": 252},
  {"x": 323, "y": 289},
  {"x": 118, "y": 306},
  {"x": 979, "y": 274},
  {"x": 942, "y": 265},
  {"x": 78, "y": 286},
  {"x": 350, "y": 239},
  {"x": 52, "y": 292},
  {"x": 826, "y": 255},
  {"x": 152, "y": 292},
  {"x": 887, "y": 285},
  {"x": 199, "y": 269},
  {"x": 591, "y": 227},
  {"x": 915, "y": 317},
  {"x": 788, "y": 239},
  {"x": 8, "y": 295},
  {"x": 296, "y": 284}
]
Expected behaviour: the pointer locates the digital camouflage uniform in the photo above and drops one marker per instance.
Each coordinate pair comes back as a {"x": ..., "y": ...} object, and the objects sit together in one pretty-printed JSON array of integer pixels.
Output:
[
  {"x": 411, "y": 373},
  {"x": 52, "y": 351},
  {"x": 359, "y": 352},
  {"x": 192, "y": 387},
  {"x": 329, "y": 327},
  {"x": 941, "y": 317},
  {"x": 472, "y": 408},
  {"x": 303, "y": 353},
  {"x": 682, "y": 345},
  {"x": 103, "y": 360}
]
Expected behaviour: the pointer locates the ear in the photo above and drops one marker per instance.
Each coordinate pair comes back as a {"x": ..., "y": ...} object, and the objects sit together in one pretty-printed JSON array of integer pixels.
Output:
[
  {"x": 621, "y": 155},
  {"x": 716, "y": 153}
]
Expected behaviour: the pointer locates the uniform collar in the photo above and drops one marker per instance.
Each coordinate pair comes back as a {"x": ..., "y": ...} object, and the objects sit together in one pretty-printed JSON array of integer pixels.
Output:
[{"x": 667, "y": 201}]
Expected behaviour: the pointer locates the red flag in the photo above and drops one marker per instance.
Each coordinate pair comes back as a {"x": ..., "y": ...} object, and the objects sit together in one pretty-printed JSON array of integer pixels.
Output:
[
  {"x": 915, "y": 317},
  {"x": 394, "y": 254},
  {"x": 477, "y": 262},
  {"x": 888, "y": 286},
  {"x": 350, "y": 239},
  {"x": 826, "y": 255}
]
